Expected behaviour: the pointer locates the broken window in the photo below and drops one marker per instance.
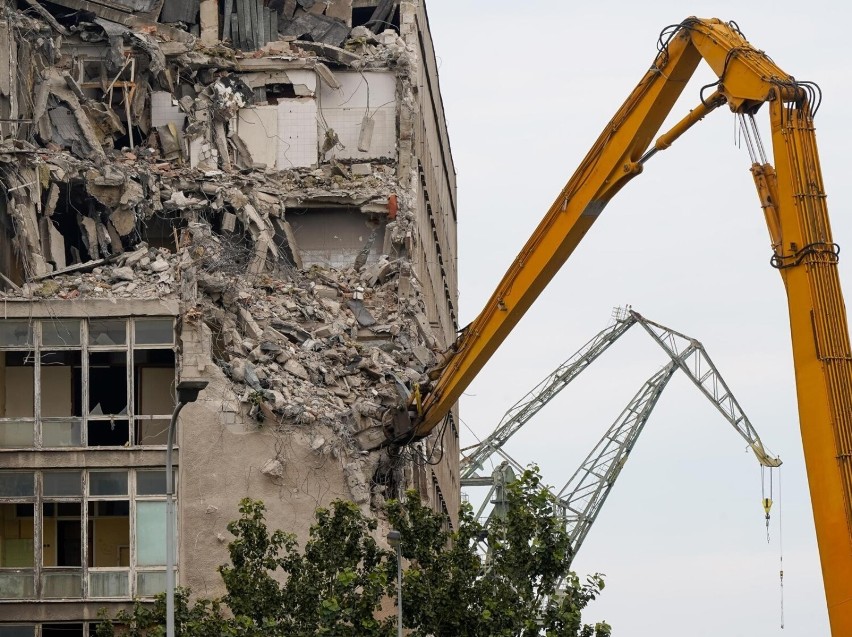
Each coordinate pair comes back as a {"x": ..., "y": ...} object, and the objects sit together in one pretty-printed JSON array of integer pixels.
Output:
[
  {"x": 378, "y": 17},
  {"x": 123, "y": 394},
  {"x": 84, "y": 521}
]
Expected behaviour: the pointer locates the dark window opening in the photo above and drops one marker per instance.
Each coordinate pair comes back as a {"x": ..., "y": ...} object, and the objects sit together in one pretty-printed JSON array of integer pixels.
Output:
[
  {"x": 11, "y": 266},
  {"x": 361, "y": 16},
  {"x": 107, "y": 383},
  {"x": 61, "y": 534},
  {"x": 73, "y": 203},
  {"x": 161, "y": 231},
  {"x": 108, "y": 433},
  {"x": 62, "y": 630},
  {"x": 275, "y": 92}
]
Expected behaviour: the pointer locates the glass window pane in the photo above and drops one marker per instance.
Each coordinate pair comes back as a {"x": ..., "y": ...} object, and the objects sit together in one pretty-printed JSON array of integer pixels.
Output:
[
  {"x": 20, "y": 484},
  {"x": 108, "y": 483},
  {"x": 14, "y": 333},
  {"x": 149, "y": 584},
  {"x": 61, "y": 433},
  {"x": 16, "y": 435},
  {"x": 62, "y": 584},
  {"x": 154, "y": 331},
  {"x": 60, "y": 332},
  {"x": 109, "y": 584},
  {"x": 61, "y": 384},
  {"x": 7, "y": 630},
  {"x": 17, "y": 585},
  {"x": 153, "y": 432},
  {"x": 150, "y": 533},
  {"x": 150, "y": 482},
  {"x": 17, "y": 382},
  {"x": 109, "y": 529},
  {"x": 108, "y": 332},
  {"x": 16, "y": 536},
  {"x": 62, "y": 483},
  {"x": 154, "y": 381}
]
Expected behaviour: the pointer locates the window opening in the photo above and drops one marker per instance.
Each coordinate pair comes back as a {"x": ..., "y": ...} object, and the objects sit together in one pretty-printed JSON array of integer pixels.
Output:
[
  {"x": 108, "y": 332},
  {"x": 15, "y": 484},
  {"x": 60, "y": 333},
  {"x": 62, "y": 630},
  {"x": 98, "y": 393},
  {"x": 17, "y": 535},
  {"x": 17, "y": 381},
  {"x": 61, "y": 384},
  {"x": 159, "y": 331},
  {"x": 15, "y": 333},
  {"x": 7, "y": 630},
  {"x": 88, "y": 524}
]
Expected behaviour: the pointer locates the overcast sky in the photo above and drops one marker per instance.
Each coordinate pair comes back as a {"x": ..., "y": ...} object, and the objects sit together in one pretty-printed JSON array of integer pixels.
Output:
[{"x": 527, "y": 88}]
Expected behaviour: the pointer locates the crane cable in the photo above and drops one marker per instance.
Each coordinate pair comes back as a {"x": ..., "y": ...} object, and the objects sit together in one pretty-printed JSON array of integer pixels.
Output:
[
  {"x": 780, "y": 550},
  {"x": 767, "y": 505},
  {"x": 767, "y": 502}
]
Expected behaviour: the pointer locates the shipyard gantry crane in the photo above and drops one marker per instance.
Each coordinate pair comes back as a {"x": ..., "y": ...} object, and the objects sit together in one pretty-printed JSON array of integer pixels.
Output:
[{"x": 581, "y": 499}]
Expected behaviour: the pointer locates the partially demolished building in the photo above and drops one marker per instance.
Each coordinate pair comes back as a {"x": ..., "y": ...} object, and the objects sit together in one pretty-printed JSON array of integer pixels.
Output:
[{"x": 256, "y": 193}]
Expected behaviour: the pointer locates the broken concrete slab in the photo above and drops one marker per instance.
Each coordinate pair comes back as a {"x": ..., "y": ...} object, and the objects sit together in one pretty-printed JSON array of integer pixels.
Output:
[
  {"x": 185, "y": 11},
  {"x": 322, "y": 49},
  {"x": 316, "y": 28},
  {"x": 361, "y": 313}
]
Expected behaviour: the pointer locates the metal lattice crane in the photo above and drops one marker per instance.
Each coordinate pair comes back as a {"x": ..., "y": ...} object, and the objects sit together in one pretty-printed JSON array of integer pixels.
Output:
[{"x": 582, "y": 497}]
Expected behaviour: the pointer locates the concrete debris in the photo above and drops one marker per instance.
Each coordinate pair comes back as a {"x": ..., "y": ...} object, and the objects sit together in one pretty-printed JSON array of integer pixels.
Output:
[
  {"x": 273, "y": 468},
  {"x": 159, "y": 165}
]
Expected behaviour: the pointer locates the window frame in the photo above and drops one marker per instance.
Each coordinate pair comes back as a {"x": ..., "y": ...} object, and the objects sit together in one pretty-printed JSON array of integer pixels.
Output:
[
  {"x": 39, "y": 499},
  {"x": 85, "y": 348}
]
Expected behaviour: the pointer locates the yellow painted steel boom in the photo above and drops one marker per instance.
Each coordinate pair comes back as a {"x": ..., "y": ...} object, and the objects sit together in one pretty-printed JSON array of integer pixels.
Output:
[{"x": 794, "y": 205}]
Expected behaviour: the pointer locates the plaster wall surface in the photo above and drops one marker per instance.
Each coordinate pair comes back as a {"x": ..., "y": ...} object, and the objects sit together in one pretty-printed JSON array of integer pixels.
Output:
[{"x": 222, "y": 463}]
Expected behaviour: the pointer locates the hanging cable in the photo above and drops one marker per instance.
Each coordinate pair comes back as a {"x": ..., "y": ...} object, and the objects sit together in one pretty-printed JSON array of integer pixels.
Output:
[
  {"x": 780, "y": 549},
  {"x": 767, "y": 502}
]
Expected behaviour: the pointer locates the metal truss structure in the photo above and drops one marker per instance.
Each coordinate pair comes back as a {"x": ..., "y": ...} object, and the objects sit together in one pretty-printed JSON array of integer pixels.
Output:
[{"x": 581, "y": 499}]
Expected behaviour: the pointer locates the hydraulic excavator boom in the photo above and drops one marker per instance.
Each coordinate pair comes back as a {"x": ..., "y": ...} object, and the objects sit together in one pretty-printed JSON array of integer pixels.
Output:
[{"x": 793, "y": 200}]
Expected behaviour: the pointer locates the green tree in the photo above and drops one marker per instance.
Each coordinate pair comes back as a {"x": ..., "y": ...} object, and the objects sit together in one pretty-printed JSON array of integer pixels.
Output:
[
  {"x": 335, "y": 586},
  {"x": 449, "y": 592}
]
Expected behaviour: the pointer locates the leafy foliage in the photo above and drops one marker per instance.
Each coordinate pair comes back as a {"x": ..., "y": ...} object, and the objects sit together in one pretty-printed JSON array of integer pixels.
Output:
[
  {"x": 448, "y": 593},
  {"x": 336, "y": 586}
]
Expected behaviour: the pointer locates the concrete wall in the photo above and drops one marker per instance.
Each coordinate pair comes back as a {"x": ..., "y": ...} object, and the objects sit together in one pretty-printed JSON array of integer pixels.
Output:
[
  {"x": 424, "y": 138},
  {"x": 224, "y": 457}
]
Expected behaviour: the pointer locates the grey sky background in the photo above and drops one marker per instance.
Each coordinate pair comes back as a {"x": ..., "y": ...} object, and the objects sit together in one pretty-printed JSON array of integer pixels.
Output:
[{"x": 527, "y": 88}]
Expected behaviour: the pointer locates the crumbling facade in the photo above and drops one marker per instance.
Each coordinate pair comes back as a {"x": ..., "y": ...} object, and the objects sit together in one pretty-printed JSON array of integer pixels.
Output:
[{"x": 256, "y": 194}]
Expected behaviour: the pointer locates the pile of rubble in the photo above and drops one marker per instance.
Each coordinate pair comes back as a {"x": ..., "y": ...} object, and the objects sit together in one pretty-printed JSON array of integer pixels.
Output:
[{"x": 126, "y": 176}]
